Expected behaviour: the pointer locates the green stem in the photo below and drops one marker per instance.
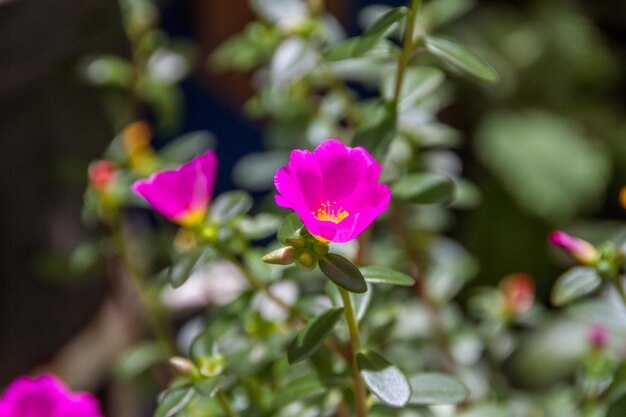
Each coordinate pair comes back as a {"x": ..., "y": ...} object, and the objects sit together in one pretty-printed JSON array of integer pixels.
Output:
[
  {"x": 223, "y": 400},
  {"x": 157, "y": 313},
  {"x": 407, "y": 49},
  {"x": 353, "y": 330},
  {"x": 255, "y": 283}
]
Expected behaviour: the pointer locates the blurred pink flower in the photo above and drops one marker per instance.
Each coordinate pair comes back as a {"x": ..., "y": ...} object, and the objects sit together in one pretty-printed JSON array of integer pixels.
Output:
[
  {"x": 581, "y": 250},
  {"x": 182, "y": 195},
  {"x": 334, "y": 189},
  {"x": 101, "y": 174},
  {"x": 46, "y": 396},
  {"x": 598, "y": 336},
  {"x": 519, "y": 293}
]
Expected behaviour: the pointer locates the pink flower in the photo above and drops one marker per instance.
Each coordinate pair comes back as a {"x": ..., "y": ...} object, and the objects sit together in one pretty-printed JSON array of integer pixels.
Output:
[
  {"x": 46, "y": 396},
  {"x": 581, "y": 250},
  {"x": 182, "y": 195},
  {"x": 598, "y": 336},
  {"x": 334, "y": 189},
  {"x": 519, "y": 293}
]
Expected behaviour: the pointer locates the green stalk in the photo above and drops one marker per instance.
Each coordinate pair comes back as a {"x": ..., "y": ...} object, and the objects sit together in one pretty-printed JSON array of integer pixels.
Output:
[
  {"x": 407, "y": 49},
  {"x": 353, "y": 330},
  {"x": 223, "y": 400},
  {"x": 157, "y": 313}
]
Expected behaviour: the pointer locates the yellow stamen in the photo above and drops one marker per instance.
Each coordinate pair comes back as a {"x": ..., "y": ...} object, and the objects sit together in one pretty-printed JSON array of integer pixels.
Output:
[{"x": 329, "y": 212}]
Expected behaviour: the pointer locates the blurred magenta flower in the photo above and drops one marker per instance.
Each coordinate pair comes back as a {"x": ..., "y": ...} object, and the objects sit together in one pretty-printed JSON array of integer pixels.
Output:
[
  {"x": 581, "y": 250},
  {"x": 46, "y": 396},
  {"x": 519, "y": 293},
  {"x": 182, "y": 195},
  {"x": 334, "y": 189},
  {"x": 598, "y": 336}
]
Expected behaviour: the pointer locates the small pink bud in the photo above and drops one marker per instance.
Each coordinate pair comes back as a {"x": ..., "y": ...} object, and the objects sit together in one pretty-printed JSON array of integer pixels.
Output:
[
  {"x": 182, "y": 365},
  {"x": 581, "y": 250},
  {"x": 519, "y": 292},
  {"x": 101, "y": 174},
  {"x": 598, "y": 336}
]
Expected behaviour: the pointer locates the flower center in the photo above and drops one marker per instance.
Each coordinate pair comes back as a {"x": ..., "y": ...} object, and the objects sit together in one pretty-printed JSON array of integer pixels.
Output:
[{"x": 329, "y": 212}]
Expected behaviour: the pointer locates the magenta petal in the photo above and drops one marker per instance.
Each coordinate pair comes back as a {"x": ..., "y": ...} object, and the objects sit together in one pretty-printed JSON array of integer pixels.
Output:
[
  {"x": 46, "y": 396},
  {"x": 335, "y": 190},
  {"x": 184, "y": 193}
]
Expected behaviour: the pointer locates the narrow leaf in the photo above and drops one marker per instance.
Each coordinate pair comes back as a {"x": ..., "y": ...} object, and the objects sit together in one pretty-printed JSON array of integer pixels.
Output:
[
  {"x": 229, "y": 205},
  {"x": 173, "y": 401},
  {"x": 183, "y": 268},
  {"x": 312, "y": 335},
  {"x": 461, "y": 57},
  {"x": 382, "y": 275},
  {"x": 424, "y": 188},
  {"x": 418, "y": 83},
  {"x": 343, "y": 273},
  {"x": 306, "y": 386},
  {"x": 386, "y": 381},
  {"x": 436, "y": 388},
  {"x": 377, "y": 131},
  {"x": 575, "y": 283}
]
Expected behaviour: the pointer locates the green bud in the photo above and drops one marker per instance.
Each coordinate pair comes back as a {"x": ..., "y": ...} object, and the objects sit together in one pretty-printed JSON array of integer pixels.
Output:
[
  {"x": 211, "y": 366},
  {"x": 296, "y": 242},
  {"x": 282, "y": 256},
  {"x": 306, "y": 259},
  {"x": 320, "y": 249}
]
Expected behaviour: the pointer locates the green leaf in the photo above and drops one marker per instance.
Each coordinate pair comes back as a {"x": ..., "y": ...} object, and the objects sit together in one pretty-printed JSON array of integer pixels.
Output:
[
  {"x": 185, "y": 147},
  {"x": 418, "y": 83},
  {"x": 342, "y": 272},
  {"x": 184, "y": 266},
  {"x": 360, "y": 301},
  {"x": 256, "y": 171},
  {"x": 293, "y": 59},
  {"x": 386, "y": 381},
  {"x": 545, "y": 162},
  {"x": 435, "y": 388},
  {"x": 109, "y": 70},
  {"x": 289, "y": 227},
  {"x": 229, "y": 205},
  {"x": 173, "y": 401},
  {"x": 280, "y": 10},
  {"x": 575, "y": 283},
  {"x": 461, "y": 57},
  {"x": 618, "y": 408},
  {"x": 312, "y": 335},
  {"x": 424, "y": 188},
  {"x": 139, "y": 359},
  {"x": 207, "y": 386},
  {"x": 305, "y": 386},
  {"x": 360, "y": 45},
  {"x": 377, "y": 130},
  {"x": 383, "y": 275}
]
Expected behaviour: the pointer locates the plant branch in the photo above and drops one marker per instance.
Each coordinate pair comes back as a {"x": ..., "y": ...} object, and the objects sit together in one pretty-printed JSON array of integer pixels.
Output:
[
  {"x": 353, "y": 330},
  {"x": 226, "y": 407},
  {"x": 407, "y": 49}
]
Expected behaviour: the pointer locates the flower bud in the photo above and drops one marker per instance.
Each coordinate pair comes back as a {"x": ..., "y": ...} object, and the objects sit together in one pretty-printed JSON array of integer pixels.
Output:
[
  {"x": 581, "y": 250},
  {"x": 296, "y": 242},
  {"x": 211, "y": 366},
  {"x": 598, "y": 336},
  {"x": 320, "y": 249},
  {"x": 282, "y": 256},
  {"x": 182, "y": 365},
  {"x": 519, "y": 293},
  {"x": 306, "y": 259},
  {"x": 102, "y": 174}
]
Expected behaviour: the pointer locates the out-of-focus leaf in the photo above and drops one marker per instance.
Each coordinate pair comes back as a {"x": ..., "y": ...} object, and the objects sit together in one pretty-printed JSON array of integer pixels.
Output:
[
  {"x": 312, "y": 335},
  {"x": 436, "y": 388},
  {"x": 109, "y": 70},
  {"x": 260, "y": 226},
  {"x": 360, "y": 301},
  {"x": 574, "y": 284},
  {"x": 377, "y": 130},
  {"x": 618, "y": 408},
  {"x": 229, "y": 205},
  {"x": 461, "y": 57},
  {"x": 256, "y": 171},
  {"x": 386, "y": 381},
  {"x": 173, "y": 401},
  {"x": 288, "y": 228},
  {"x": 545, "y": 163},
  {"x": 207, "y": 386},
  {"x": 140, "y": 359},
  {"x": 424, "y": 188},
  {"x": 280, "y": 11},
  {"x": 305, "y": 386},
  {"x": 293, "y": 59},
  {"x": 185, "y": 147},
  {"x": 382, "y": 275},
  {"x": 437, "y": 13},
  {"x": 418, "y": 83},
  {"x": 343, "y": 273},
  {"x": 184, "y": 266}
]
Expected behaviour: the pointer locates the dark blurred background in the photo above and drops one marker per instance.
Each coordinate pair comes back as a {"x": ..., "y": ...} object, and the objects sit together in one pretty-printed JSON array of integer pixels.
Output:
[{"x": 562, "y": 65}]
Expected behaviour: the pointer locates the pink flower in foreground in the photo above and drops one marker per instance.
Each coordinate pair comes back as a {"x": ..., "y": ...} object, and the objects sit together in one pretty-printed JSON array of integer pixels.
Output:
[
  {"x": 581, "y": 250},
  {"x": 46, "y": 396},
  {"x": 334, "y": 189},
  {"x": 182, "y": 195}
]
